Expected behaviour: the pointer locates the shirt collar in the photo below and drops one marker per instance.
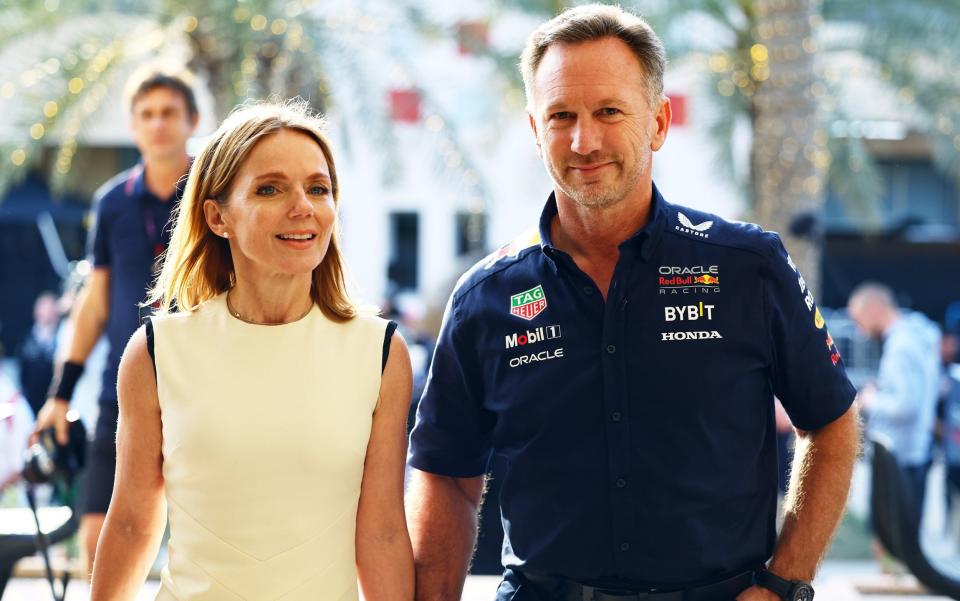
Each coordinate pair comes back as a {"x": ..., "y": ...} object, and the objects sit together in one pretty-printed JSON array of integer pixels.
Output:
[
  {"x": 643, "y": 240},
  {"x": 137, "y": 183}
]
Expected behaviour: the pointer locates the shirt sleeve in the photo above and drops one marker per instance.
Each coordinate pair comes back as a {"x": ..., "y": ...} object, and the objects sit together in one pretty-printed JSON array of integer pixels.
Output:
[
  {"x": 98, "y": 240},
  {"x": 453, "y": 431},
  {"x": 808, "y": 374}
]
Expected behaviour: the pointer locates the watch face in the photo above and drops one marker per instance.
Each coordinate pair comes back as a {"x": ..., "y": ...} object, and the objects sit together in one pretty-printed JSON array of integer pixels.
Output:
[{"x": 803, "y": 592}]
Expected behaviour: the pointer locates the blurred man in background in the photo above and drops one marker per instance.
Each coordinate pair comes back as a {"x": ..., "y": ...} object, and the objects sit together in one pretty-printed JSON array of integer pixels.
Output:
[
  {"x": 130, "y": 233},
  {"x": 37, "y": 350},
  {"x": 948, "y": 411},
  {"x": 901, "y": 404}
]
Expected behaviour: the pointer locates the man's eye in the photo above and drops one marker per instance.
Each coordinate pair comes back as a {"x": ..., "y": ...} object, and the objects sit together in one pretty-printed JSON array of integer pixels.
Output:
[
  {"x": 609, "y": 112},
  {"x": 561, "y": 115},
  {"x": 267, "y": 190}
]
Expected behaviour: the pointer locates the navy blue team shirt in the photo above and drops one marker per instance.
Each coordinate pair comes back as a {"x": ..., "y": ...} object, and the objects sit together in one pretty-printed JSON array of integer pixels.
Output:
[
  {"x": 130, "y": 228},
  {"x": 638, "y": 432}
]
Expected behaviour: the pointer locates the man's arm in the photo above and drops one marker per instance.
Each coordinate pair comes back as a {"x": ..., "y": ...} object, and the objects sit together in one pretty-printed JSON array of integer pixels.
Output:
[
  {"x": 819, "y": 482},
  {"x": 89, "y": 316},
  {"x": 442, "y": 519},
  {"x": 88, "y": 319}
]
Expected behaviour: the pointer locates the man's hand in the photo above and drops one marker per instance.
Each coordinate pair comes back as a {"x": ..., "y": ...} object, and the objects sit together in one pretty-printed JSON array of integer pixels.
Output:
[
  {"x": 757, "y": 593},
  {"x": 52, "y": 414}
]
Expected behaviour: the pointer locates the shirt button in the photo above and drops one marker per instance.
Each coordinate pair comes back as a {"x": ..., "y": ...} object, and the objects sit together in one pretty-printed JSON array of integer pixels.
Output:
[
  {"x": 615, "y": 416},
  {"x": 624, "y": 546},
  {"x": 611, "y": 349},
  {"x": 621, "y": 483},
  {"x": 588, "y": 290}
]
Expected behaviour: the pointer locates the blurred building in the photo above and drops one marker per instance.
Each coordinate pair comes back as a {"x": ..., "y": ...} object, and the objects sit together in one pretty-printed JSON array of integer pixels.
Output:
[{"x": 438, "y": 165}]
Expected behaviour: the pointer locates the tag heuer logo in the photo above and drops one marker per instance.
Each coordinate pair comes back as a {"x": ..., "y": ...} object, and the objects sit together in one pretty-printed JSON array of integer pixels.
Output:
[{"x": 528, "y": 304}]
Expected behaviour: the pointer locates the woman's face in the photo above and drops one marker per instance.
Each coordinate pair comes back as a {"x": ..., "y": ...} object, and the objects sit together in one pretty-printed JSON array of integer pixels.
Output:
[{"x": 280, "y": 212}]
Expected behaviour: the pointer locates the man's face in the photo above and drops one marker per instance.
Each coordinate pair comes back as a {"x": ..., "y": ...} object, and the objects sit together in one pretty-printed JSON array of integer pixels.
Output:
[
  {"x": 863, "y": 312},
  {"x": 45, "y": 311},
  {"x": 161, "y": 124},
  {"x": 596, "y": 131},
  {"x": 949, "y": 348}
]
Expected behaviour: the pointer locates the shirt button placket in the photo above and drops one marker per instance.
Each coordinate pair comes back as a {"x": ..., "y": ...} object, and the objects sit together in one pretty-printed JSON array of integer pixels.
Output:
[{"x": 618, "y": 443}]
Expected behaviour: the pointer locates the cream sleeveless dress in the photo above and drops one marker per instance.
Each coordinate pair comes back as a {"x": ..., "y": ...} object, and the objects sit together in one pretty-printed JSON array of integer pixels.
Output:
[{"x": 265, "y": 432}]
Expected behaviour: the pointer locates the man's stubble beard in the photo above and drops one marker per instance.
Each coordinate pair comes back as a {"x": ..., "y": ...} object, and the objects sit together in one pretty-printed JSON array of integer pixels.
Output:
[{"x": 599, "y": 195}]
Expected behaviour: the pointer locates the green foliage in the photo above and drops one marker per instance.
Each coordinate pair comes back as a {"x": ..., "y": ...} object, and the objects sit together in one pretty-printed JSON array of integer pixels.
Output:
[
  {"x": 912, "y": 46},
  {"x": 246, "y": 49},
  {"x": 909, "y": 45}
]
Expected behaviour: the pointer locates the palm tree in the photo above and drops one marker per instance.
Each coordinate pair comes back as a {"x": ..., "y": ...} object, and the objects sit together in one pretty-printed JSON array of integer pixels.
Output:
[
  {"x": 244, "y": 50},
  {"x": 787, "y": 159},
  {"x": 779, "y": 66},
  {"x": 772, "y": 66}
]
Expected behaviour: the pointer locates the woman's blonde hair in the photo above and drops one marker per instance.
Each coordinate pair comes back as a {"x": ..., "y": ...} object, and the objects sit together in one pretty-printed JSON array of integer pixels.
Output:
[{"x": 197, "y": 265}]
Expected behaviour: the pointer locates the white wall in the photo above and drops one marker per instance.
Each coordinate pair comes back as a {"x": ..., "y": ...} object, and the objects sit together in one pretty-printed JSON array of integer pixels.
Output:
[
  {"x": 493, "y": 134},
  {"x": 498, "y": 140}
]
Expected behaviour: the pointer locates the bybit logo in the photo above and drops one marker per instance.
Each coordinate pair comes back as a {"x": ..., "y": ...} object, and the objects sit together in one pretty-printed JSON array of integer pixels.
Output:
[{"x": 688, "y": 312}]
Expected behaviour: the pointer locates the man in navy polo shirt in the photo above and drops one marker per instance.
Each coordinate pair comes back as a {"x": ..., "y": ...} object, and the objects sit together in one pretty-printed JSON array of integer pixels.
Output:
[
  {"x": 623, "y": 359},
  {"x": 130, "y": 232}
]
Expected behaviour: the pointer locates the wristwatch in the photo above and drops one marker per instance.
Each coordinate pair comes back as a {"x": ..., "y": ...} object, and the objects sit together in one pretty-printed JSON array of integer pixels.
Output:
[{"x": 788, "y": 590}]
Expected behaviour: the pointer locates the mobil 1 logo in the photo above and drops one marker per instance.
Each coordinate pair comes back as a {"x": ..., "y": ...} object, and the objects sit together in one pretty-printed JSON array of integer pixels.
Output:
[
  {"x": 531, "y": 336},
  {"x": 523, "y": 340}
]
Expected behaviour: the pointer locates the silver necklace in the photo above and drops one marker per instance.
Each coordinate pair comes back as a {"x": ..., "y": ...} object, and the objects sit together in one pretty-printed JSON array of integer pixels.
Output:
[{"x": 237, "y": 314}]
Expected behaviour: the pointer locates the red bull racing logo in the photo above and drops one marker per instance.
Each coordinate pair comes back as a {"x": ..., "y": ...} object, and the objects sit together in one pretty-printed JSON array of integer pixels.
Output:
[{"x": 695, "y": 279}]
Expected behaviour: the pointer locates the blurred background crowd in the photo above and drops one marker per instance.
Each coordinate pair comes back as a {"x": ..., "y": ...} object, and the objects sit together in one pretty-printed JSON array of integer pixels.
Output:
[{"x": 438, "y": 168}]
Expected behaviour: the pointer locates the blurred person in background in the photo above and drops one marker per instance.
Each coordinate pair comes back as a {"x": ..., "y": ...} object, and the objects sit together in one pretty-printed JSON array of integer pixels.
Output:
[
  {"x": 130, "y": 232},
  {"x": 631, "y": 401},
  {"x": 86, "y": 393},
  {"x": 948, "y": 411},
  {"x": 901, "y": 404},
  {"x": 410, "y": 311},
  {"x": 16, "y": 423},
  {"x": 36, "y": 353},
  {"x": 268, "y": 410}
]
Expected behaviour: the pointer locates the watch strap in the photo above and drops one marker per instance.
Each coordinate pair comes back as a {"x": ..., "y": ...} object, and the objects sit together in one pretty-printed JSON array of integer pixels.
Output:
[{"x": 778, "y": 585}]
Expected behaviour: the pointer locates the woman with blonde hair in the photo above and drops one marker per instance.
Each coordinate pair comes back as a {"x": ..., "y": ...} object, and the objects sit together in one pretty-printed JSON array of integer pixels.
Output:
[{"x": 267, "y": 410}]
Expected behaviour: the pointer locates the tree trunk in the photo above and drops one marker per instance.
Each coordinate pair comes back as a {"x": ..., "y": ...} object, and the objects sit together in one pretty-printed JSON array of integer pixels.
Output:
[{"x": 789, "y": 158}]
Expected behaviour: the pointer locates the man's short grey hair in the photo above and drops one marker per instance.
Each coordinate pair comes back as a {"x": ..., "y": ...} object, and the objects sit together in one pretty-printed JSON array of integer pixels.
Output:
[
  {"x": 593, "y": 22},
  {"x": 875, "y": 293}
]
